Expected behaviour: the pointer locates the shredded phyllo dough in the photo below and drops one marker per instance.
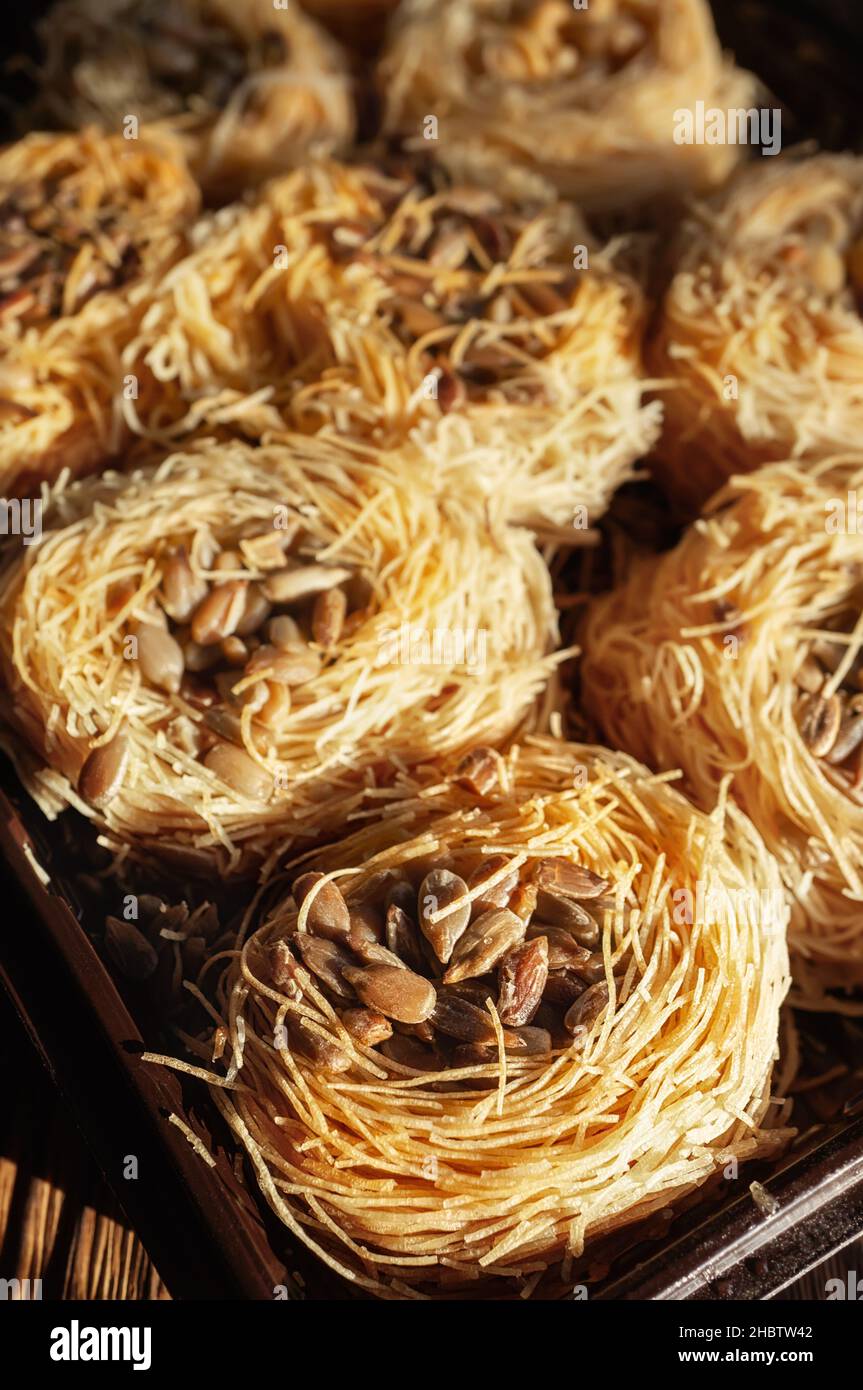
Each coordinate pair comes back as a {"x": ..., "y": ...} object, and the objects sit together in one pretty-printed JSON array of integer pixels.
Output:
[
  {"x": 86, "y": 223},
  {"x": 357, "y": 301},
  {"x": 760, "y": 333},
  {"x": 251, "y": 88},
  {"x": 532, "y": 95},
  {"x": 411, "y": 1174},
  {"x": 739, "y": 653},
  {"x": 216, "y": 655}
]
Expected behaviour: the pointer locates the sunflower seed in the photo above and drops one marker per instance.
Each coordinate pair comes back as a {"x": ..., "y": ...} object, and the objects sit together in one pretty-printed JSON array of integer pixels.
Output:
[
  {"x": 197, "y": 658},
  {"x": 438, "y": 890},
  {"x": 401, "y": 937},
  {"x": 256, "y": 611},
  {"x": 522, "y": 975},
  {"x": 518, "y": 1042},
  {"x": 400, "y": 893},
  {"x": 234, "y": 650},
  {"x": 374, "y": 953},
  {"x": 366, "y": 923},
  {"x": 476, "y": 992},
  {"x": 155, "y": 910},
  {"x": 449, "y": 249},
  {"x": 367, "y": 1027},
  {"x": 564, "y": 952},
  {"x": 182, "y": 590},
  {"x": 326, "y": 960},
  {"x": 586, "y": 1010},
  {"x": 826, "y": 269},
  {"x": 571, "y": 880},
  {"x": 810, "y": 676},
  {"x": 328, "y": 618},
  {"x": 849, "y": 738},
  {"x": 206, "y": 920},
  {"x": 593, "y": 969},
  {"x": 450, "y": 391},
  {"x": 160, "y": 658},
  {"x": 500, "y": 894},
  {"x": 523, "y": 901},
  {"x": 226, "y": 724},
  {"x": 828, "y": 653},
  {"x": 194, "y": 952},
  {"x": 267, "y": 551},
  {"x": 484, "y": 943},
  {"x": 104, "y": 772},
  {"x": 423, "y": 1031},
  {"x": 398, "y": 994},
  {"x": 530, "y": 1042},
  {"x": 560, "y": 911},
  {"x": 322, "y": 1052},
  {"x": 328, "y": 912},
  {"x": 462, "y": 1020},
  {"x": 478, "y": 771},
  {"x": 284, "y": 631},
  {"x": 473, "y": 1055},
  {"x": 408, "y": 1052},
  {"x": 234, "y": 767},
  {"x": 289, "y": 585},
  {"x": 129, "y": 949},
  {"x": 286, "y": 666},
  {"x": 417, "y": 319},
  {"x": 544, "y": 299},
  {"x": 228, "y": 561},
  {"x": 277, "y": 706},
  {"x": 216, "y": 617},
  {"x": 563, "y": 988},
  {"x": 819, "y": 723}
]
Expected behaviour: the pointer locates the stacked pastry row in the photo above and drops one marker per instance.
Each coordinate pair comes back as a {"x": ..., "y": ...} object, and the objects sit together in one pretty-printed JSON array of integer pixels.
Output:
[
  {"x": 288, "y": 609},
  {"x": 735, "y": 656}
]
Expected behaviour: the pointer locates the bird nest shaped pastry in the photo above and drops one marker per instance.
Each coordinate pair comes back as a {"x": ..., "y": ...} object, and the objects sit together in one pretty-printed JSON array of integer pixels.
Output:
[
  {"x": 738, "y": 654},
  {"x": 759, "y": 335},
  {"x": 214, "y": 657},
  {"x": 251, "y": 89},
  {"x": 379, "y": 306},
  {"x": 85, "y": 220},
  {"x": 487, "y": 1027},
  {"x": 533, "y": 96}
]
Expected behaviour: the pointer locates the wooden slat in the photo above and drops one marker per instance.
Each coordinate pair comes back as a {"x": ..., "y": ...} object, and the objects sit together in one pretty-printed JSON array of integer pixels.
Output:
[{"x": 58, "y": 1220}]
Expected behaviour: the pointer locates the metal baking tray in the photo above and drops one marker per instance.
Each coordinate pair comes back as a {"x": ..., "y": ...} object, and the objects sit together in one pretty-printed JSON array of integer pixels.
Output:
[{"x": 210, "y": 1234}]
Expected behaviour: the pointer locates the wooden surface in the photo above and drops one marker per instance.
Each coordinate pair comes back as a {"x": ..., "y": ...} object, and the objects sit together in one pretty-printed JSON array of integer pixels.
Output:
[
  {"x": 58, "y": 1220},
  {"x": 60, "y": 1223}
]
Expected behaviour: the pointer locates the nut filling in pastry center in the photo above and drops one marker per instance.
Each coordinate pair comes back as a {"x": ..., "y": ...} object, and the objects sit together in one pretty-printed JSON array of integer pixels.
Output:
[
  {"x": 51, "y": 261},
  {"x": 830, "y": 713},
  {"x": 233, "y": 649},
  {"x": 411, "y": 965}
]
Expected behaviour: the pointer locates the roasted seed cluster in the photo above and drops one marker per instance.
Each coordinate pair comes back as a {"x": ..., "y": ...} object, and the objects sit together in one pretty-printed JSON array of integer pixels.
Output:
[
  {"x": 53, "y": 259},
  {"x": 831, "y": 725},
  {"x": 171, "y": 59},
  {"x": 549, "y": 42},
  {"x": 220, "y": 641},
  {"x": 410, "y": 964},
  {"x": 478, "y": 331}
]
